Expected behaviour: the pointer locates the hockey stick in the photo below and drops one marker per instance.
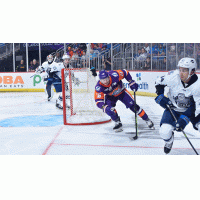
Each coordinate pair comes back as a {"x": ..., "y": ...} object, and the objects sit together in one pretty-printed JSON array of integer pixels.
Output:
[
  {"x": 136, "y": 126},
  {"x": 33, "y": 75},
  {"x": 181, "y": 129}
]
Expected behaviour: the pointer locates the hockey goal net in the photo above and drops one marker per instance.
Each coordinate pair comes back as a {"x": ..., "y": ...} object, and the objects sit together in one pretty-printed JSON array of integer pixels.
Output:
[{"x": 79, "y": 107}]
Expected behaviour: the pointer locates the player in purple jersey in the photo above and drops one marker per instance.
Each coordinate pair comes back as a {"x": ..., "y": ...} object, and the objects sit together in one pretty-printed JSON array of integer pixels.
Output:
[{"x": 110, "y": 88}]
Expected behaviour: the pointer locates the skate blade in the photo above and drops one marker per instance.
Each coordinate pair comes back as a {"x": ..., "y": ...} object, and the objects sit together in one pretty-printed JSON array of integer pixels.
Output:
[
  {"x": 152, "y": 128},
  {"x": 118, "y": 130}
]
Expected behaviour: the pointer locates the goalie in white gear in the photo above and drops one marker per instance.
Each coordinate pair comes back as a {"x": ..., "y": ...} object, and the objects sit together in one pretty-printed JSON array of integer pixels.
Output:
[
  {"x": 66, "y": 64},
  {"x": 52, "y": 75},
  {"x": 183, "y": 99}
]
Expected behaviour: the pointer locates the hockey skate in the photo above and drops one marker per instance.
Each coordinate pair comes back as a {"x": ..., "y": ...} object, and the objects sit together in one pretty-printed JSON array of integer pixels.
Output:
[
  {"x": 58, "y": 105},
  {"x": 168, "y": 145},
  {"x": 49, "y": 98},
  {"x": 150, "y": 124},
  {"x": 118, "y": 126}
]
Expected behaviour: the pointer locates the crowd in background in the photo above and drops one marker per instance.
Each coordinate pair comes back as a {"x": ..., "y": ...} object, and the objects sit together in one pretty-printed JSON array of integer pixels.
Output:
[
  {"x": 143, "y": 56},
  {"x": 136, "y": 56}
]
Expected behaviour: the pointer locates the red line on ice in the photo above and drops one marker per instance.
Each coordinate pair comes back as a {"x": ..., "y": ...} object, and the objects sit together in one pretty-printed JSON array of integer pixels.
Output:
[
  {"x": 114, "y": 146},
  {"x": 52, "y": 142}
]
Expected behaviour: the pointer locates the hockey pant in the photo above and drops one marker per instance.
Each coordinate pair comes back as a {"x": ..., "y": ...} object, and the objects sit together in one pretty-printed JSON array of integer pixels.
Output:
[
  {"x": 127, "y": 99},
  {"x": 168, "y": 124},
  {"x": 57, "y": 85}
]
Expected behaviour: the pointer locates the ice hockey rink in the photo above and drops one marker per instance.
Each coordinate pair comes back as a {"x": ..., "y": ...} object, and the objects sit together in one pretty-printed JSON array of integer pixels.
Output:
[{"x": 30, "y": 125}]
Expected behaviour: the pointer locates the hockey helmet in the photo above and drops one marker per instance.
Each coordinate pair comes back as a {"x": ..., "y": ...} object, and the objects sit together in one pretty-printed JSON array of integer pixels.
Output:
[
  {"x": 189, "y": 63},
  {"x": 103, "y": 74},
  {"x": 65, "y": 56},
  {"x": 50, "y": 58}
]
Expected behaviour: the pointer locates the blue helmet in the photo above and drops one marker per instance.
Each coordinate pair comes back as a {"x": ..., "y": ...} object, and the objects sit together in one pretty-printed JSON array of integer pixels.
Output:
[{"x": 103, "y": 74}]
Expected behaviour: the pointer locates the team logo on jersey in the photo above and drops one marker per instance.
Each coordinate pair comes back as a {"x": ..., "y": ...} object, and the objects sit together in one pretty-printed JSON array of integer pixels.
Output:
[
  {"x": 114, "y": 83},
  {"x": 182, "y": 101},
  {"x": 54, "y": 68},
  {"x": 98, "y": 88},
  {"x": 115, "y": 74},
  {"x": 162, "y": 78},
  {"x": 121, "y": 73}
]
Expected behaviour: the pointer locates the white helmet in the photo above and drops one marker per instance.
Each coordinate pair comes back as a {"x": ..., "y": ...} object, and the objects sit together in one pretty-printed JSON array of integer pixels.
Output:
[
  {"x": 50, "y": 58},
  {"x": 189, "y": 63},
  {"x": 65, "y": 56}
]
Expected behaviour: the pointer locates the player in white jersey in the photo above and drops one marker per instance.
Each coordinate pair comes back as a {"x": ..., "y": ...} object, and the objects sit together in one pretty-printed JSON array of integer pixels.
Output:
[
  {"x": 66, "y": 64},
  {"x": 183, "y": 99},
  {"x": 52, "y": 75}
]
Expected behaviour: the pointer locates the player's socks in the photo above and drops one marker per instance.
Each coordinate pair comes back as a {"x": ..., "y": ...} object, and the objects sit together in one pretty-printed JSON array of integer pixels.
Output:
[{"x": 169, "y": 144}]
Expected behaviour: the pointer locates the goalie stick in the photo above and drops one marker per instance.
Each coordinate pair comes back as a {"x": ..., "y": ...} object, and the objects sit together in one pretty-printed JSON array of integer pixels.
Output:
[{"x": 37, "y": 72}]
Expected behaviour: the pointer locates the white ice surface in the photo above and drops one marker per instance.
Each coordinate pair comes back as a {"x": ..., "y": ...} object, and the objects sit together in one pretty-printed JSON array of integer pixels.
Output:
[{"x": 85, "y": 140}]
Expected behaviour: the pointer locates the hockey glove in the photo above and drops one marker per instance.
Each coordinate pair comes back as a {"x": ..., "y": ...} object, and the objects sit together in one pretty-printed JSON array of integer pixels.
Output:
[
  {"x": 39, "y": 70},
  {"x": 182, "y": 122},
  {"x": 133, "y": 85},
  {"x": 163, "y": 101},
  {"x": 93, "y": 70}
]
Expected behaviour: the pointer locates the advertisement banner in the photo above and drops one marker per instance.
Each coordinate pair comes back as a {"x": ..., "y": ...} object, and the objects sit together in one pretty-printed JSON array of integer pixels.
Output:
[{"x": 23, "y": 82}]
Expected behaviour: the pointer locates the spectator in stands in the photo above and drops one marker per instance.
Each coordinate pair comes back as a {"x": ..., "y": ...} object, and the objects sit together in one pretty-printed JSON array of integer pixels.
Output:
[
  {"x": 75, "y": 56},
  {"x": 75, "y": 46},
  {"x": 100, "y": 45},
  {"x": 147, "y": 65},
  {"x": 137, "y": 59},
  {"x": 93, "y": 55},
  {"x": 70, "y": 52},
  {"x": 79, "y": 52},
  {"x": 35, "y": 64},
  {"x": 138, "y": 54},
  {"x": 143, "y": 55},
  {"x": 104, "y": 47},
  {"x": 147, "y": 48},
  {"x": 154, "y": 49},
  {"x": 107, "y": 64},
  {"x": 30, "y": 69},
  {"x": 163, "y": 64},
  {"x": 161, "y": 50},
  {"x": 83, "y": 59},
  {"x": 83, "y": 46},
  {"x": 95, "y": 46},
  {"x": 21, "y": 67},
  {"x": 172, "y": 49},
  {"x": 92, "y": 45},
  {"x": 57, "y": 58}
]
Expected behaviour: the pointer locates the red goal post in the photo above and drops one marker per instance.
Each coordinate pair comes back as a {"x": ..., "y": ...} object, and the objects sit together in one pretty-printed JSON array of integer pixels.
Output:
[{"x": 79, "y": 108}]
